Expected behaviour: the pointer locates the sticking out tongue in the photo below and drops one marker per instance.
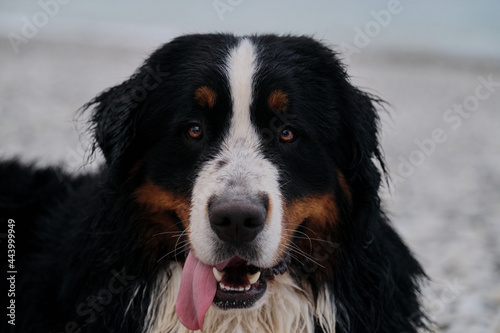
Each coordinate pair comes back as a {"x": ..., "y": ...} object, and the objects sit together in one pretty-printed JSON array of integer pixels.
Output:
[{"x": 198, "y": 288}]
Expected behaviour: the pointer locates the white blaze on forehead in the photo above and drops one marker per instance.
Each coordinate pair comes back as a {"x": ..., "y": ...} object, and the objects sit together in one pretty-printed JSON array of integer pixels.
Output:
[
  {"x": 241, "y": 67},
  {"x": 245, "y": 173}
]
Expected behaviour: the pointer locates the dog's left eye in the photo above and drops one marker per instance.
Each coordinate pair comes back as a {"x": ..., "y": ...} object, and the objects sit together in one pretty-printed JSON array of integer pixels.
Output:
[
  {"x": 195, "y": 132},
  {"x": 287, "y": 136}
]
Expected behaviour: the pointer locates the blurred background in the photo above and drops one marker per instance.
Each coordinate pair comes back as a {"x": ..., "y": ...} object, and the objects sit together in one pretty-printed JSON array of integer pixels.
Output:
[{"x": 436, "y": 63}]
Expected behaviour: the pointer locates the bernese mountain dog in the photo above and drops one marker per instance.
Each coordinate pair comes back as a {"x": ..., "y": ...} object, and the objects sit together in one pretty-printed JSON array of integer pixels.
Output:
[{"x": 239, "y": 193}]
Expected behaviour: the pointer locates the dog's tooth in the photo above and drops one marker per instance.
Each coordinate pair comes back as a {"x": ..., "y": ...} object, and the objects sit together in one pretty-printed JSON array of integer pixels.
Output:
[
  {"x": 218, "y": 275},
  {"x": 247, "y": 288},
  {"x": 252, "y": 278},
  {"x": 241, "y": 289}
]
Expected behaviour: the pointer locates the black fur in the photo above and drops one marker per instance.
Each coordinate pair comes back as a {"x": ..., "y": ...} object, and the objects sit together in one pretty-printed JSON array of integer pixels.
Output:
[{"x": 83, "y": 263}]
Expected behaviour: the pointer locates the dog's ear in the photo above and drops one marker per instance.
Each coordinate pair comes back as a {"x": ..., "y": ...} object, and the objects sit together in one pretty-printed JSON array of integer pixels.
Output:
[
  {"x": 361, "y": 150},
  {"x": 116, "y": 114},
  {"x": 112, "y": 120},
  {"x": 354, "y": 114}
]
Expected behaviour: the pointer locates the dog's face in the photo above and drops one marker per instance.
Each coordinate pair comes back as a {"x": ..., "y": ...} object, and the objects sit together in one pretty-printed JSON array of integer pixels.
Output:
[{"x": 247, "y": 150}]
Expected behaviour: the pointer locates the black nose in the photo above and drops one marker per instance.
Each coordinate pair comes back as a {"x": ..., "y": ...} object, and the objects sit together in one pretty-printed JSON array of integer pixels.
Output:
[{"x": 237, "y": 222}]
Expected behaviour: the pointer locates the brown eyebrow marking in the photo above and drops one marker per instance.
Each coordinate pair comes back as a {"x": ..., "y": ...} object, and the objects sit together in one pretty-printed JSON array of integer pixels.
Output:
[
  {"x": 278, "y": 100},
  {"x": 205, "y": 97}
]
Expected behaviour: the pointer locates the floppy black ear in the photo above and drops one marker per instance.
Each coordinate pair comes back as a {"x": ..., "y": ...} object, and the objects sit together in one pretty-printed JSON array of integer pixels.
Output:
[
  {"x": 112, "y": 120},
  {"x": 116, "y": 114},
  {"x": 361, "y": 147},
  {"x": 375, "y": 261}
]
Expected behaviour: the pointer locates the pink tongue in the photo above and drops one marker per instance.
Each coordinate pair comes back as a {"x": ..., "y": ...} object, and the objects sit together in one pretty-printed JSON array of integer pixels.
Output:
[{"x": 198, "y": 287}]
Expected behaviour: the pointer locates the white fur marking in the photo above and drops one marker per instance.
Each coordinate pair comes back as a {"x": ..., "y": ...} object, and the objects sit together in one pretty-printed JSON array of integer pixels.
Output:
[
  {"x": 161, "y": 317},
  {"x": 241, "y": 68},
  {"x": 246, "y": 172}
]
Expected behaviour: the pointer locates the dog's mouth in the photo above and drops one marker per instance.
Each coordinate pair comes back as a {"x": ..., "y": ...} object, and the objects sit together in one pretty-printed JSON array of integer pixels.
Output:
[
  {"x": 232, "y": 284},
  {"x": 241, "y": 284}
]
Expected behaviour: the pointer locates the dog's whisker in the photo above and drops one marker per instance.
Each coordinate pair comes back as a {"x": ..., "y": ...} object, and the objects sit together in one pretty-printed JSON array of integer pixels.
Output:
[
  {"x": 295, "y": 249},
  {"x": 311, "y": 238},
  {"x": 183, "y": 247},
  {"x": 291, "y": 252},
  {"x": 285, "y": 183},
  {"x": 178, "y": 239},
  {"x": 285, "y": 249},
  {"x": 307, "y": 228},
  {"x": 300, "y": 232},
  {"x": 307, "y": 257},
  {"x": 168, "y": 232}
]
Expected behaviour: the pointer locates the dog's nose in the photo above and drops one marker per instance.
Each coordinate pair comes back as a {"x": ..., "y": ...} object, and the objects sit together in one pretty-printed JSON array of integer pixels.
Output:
[{"x": 237, "y": 222}]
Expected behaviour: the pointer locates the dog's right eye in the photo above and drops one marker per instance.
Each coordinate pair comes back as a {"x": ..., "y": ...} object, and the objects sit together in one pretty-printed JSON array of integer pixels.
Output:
[{"x": 195, "y": 132}]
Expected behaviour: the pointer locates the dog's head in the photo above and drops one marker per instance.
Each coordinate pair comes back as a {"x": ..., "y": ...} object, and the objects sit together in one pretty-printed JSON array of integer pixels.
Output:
[{"x": 251, "y": 152}]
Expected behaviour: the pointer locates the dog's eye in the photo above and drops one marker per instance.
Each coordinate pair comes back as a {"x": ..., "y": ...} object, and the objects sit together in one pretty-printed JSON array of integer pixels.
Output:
[
  {"x": 287, "y": 136},
  {"x": 195, "y": 132}
]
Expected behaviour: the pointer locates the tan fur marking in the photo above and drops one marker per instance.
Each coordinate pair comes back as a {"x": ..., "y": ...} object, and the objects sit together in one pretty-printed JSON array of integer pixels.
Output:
[
  {"x": 278, "y": 100},
  {"x": 158, "y": 215},
  {"x": 345, "y": 187},
  {"x": 159, "y": 200},
  {"x": 319, "y": 211},
  {"x": 205, "y": 97}
]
